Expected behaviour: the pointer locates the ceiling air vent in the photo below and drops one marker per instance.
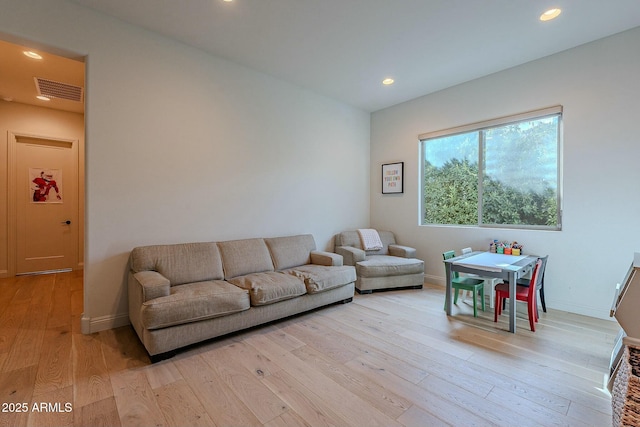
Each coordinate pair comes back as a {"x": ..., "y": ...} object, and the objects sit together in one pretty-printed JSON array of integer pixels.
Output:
[{"x": 58, "y": 90}]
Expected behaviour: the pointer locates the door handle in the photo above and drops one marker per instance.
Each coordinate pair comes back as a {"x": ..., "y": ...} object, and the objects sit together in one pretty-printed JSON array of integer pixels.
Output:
[{"x": 67, "y": 222}]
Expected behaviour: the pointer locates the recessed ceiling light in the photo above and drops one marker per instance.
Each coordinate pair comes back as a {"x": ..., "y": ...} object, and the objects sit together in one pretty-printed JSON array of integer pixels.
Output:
[
  {"x": 43, "y": 98},
  {"x": 32, "y": 54},
  {"x": 550, "y": 14},
  {"x": 388, "y": 81}
]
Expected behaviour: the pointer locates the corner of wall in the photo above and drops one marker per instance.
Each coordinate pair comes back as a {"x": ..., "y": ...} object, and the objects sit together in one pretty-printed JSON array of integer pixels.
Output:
[{"x": 90, "y": 325}]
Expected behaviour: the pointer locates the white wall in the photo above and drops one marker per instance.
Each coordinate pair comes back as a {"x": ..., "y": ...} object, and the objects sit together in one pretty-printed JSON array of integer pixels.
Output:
[
  {"x": 182, "y": 146},
  {"x": 598, "y": 86}
]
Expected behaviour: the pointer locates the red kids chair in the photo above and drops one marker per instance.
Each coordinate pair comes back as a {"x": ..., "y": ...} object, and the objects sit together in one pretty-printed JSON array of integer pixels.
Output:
[{"x": 523, "y": 293}]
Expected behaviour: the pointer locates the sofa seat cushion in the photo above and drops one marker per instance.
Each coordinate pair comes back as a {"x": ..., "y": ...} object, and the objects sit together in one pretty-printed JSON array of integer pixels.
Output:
[
  {"x": 269, "y": 287},
  {"x": 386, "y": 265},
  {"x": 319, "y": 278},
  {"x": 192, "y": 302}
]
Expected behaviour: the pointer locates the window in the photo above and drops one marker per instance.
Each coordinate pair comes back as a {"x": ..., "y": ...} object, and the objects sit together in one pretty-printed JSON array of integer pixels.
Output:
[{"x": 503, "y": 172}]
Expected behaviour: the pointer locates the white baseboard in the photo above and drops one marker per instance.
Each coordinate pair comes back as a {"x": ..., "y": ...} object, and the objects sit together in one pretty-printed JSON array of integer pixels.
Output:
[
  {"x": 434, "y": 280},
  {"x": 102, "y": 323},
  {"x": 571, "y": 307}
]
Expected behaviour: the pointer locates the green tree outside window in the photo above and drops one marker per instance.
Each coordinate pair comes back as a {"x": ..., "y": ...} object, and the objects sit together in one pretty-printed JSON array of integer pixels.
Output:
[{"x": 517, "y": 184}]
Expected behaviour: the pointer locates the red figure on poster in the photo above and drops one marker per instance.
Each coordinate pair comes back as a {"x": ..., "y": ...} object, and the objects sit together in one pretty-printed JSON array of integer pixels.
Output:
[{"x": 43, "y": 185}]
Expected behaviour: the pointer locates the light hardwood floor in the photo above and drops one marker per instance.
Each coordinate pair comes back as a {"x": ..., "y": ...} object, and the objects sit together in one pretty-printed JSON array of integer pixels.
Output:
[{"x": 386, "y": 359}]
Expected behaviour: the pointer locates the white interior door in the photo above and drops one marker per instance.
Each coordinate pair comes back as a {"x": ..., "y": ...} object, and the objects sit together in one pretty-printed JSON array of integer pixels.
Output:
[{"x": 46, "y": 200}]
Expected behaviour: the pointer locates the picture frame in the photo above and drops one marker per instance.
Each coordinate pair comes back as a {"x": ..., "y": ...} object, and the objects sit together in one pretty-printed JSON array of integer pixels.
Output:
[{"x": 393, "y": 178}]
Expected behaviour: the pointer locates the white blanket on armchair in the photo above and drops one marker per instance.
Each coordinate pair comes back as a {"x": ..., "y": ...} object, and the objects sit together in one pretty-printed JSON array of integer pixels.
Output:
[{"x": 370, "y": 239}]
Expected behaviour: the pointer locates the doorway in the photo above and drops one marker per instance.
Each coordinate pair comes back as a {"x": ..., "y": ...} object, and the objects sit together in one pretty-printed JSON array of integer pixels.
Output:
[
  {"x": 44, "y": 195},
  {"x": 41, "y": 148}
]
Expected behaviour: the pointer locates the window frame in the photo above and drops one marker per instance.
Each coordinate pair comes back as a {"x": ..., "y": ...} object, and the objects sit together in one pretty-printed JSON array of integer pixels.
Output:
[{"x": 480, "y": 127}]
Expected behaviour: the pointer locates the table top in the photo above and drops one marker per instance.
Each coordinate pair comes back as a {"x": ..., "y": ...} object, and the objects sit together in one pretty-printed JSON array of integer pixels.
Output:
[{"x": 489, "y": 261}]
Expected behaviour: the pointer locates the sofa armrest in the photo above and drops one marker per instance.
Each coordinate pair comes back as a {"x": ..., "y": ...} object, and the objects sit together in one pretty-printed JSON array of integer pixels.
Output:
[
  {"x": 326, "y": 258},
  {"x": 153, "y": 284},
  {"x": 350, "y": 254},
  {"x": 402, "y": 251}
]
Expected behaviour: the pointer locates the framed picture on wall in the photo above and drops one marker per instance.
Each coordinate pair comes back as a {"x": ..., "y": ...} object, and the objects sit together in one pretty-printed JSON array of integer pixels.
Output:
[{"x": 392, "y": 178}]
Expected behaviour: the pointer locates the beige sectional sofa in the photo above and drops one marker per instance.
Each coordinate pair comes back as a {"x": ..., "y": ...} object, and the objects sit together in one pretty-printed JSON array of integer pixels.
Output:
[
  {"x": 391, "y": 267},
  {"x": 182, "y": 294}
]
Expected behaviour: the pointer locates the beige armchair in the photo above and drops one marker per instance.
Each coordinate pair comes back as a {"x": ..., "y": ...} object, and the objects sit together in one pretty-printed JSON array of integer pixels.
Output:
[{"x": 392, "y": 267}]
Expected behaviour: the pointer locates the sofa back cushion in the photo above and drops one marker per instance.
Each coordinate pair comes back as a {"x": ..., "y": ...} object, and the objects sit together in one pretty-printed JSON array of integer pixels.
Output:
[
  {"x": 180, "y": 263},
  {"x": 352, "y": 238},
  {"x": 241, "y": 257},
  {"x": 291, "y": 251}
]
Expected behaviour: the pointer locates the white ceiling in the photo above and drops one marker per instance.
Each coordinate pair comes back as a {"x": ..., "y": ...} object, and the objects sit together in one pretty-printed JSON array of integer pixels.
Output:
[
  {"x": 344, "y": 48},
  {"x": 18, "y": 73}
]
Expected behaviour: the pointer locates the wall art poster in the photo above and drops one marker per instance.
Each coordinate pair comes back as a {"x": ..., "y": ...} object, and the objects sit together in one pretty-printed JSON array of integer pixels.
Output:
[
  {"x": 392, "y": 177},
  {"x": 45, "y": 185}
]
